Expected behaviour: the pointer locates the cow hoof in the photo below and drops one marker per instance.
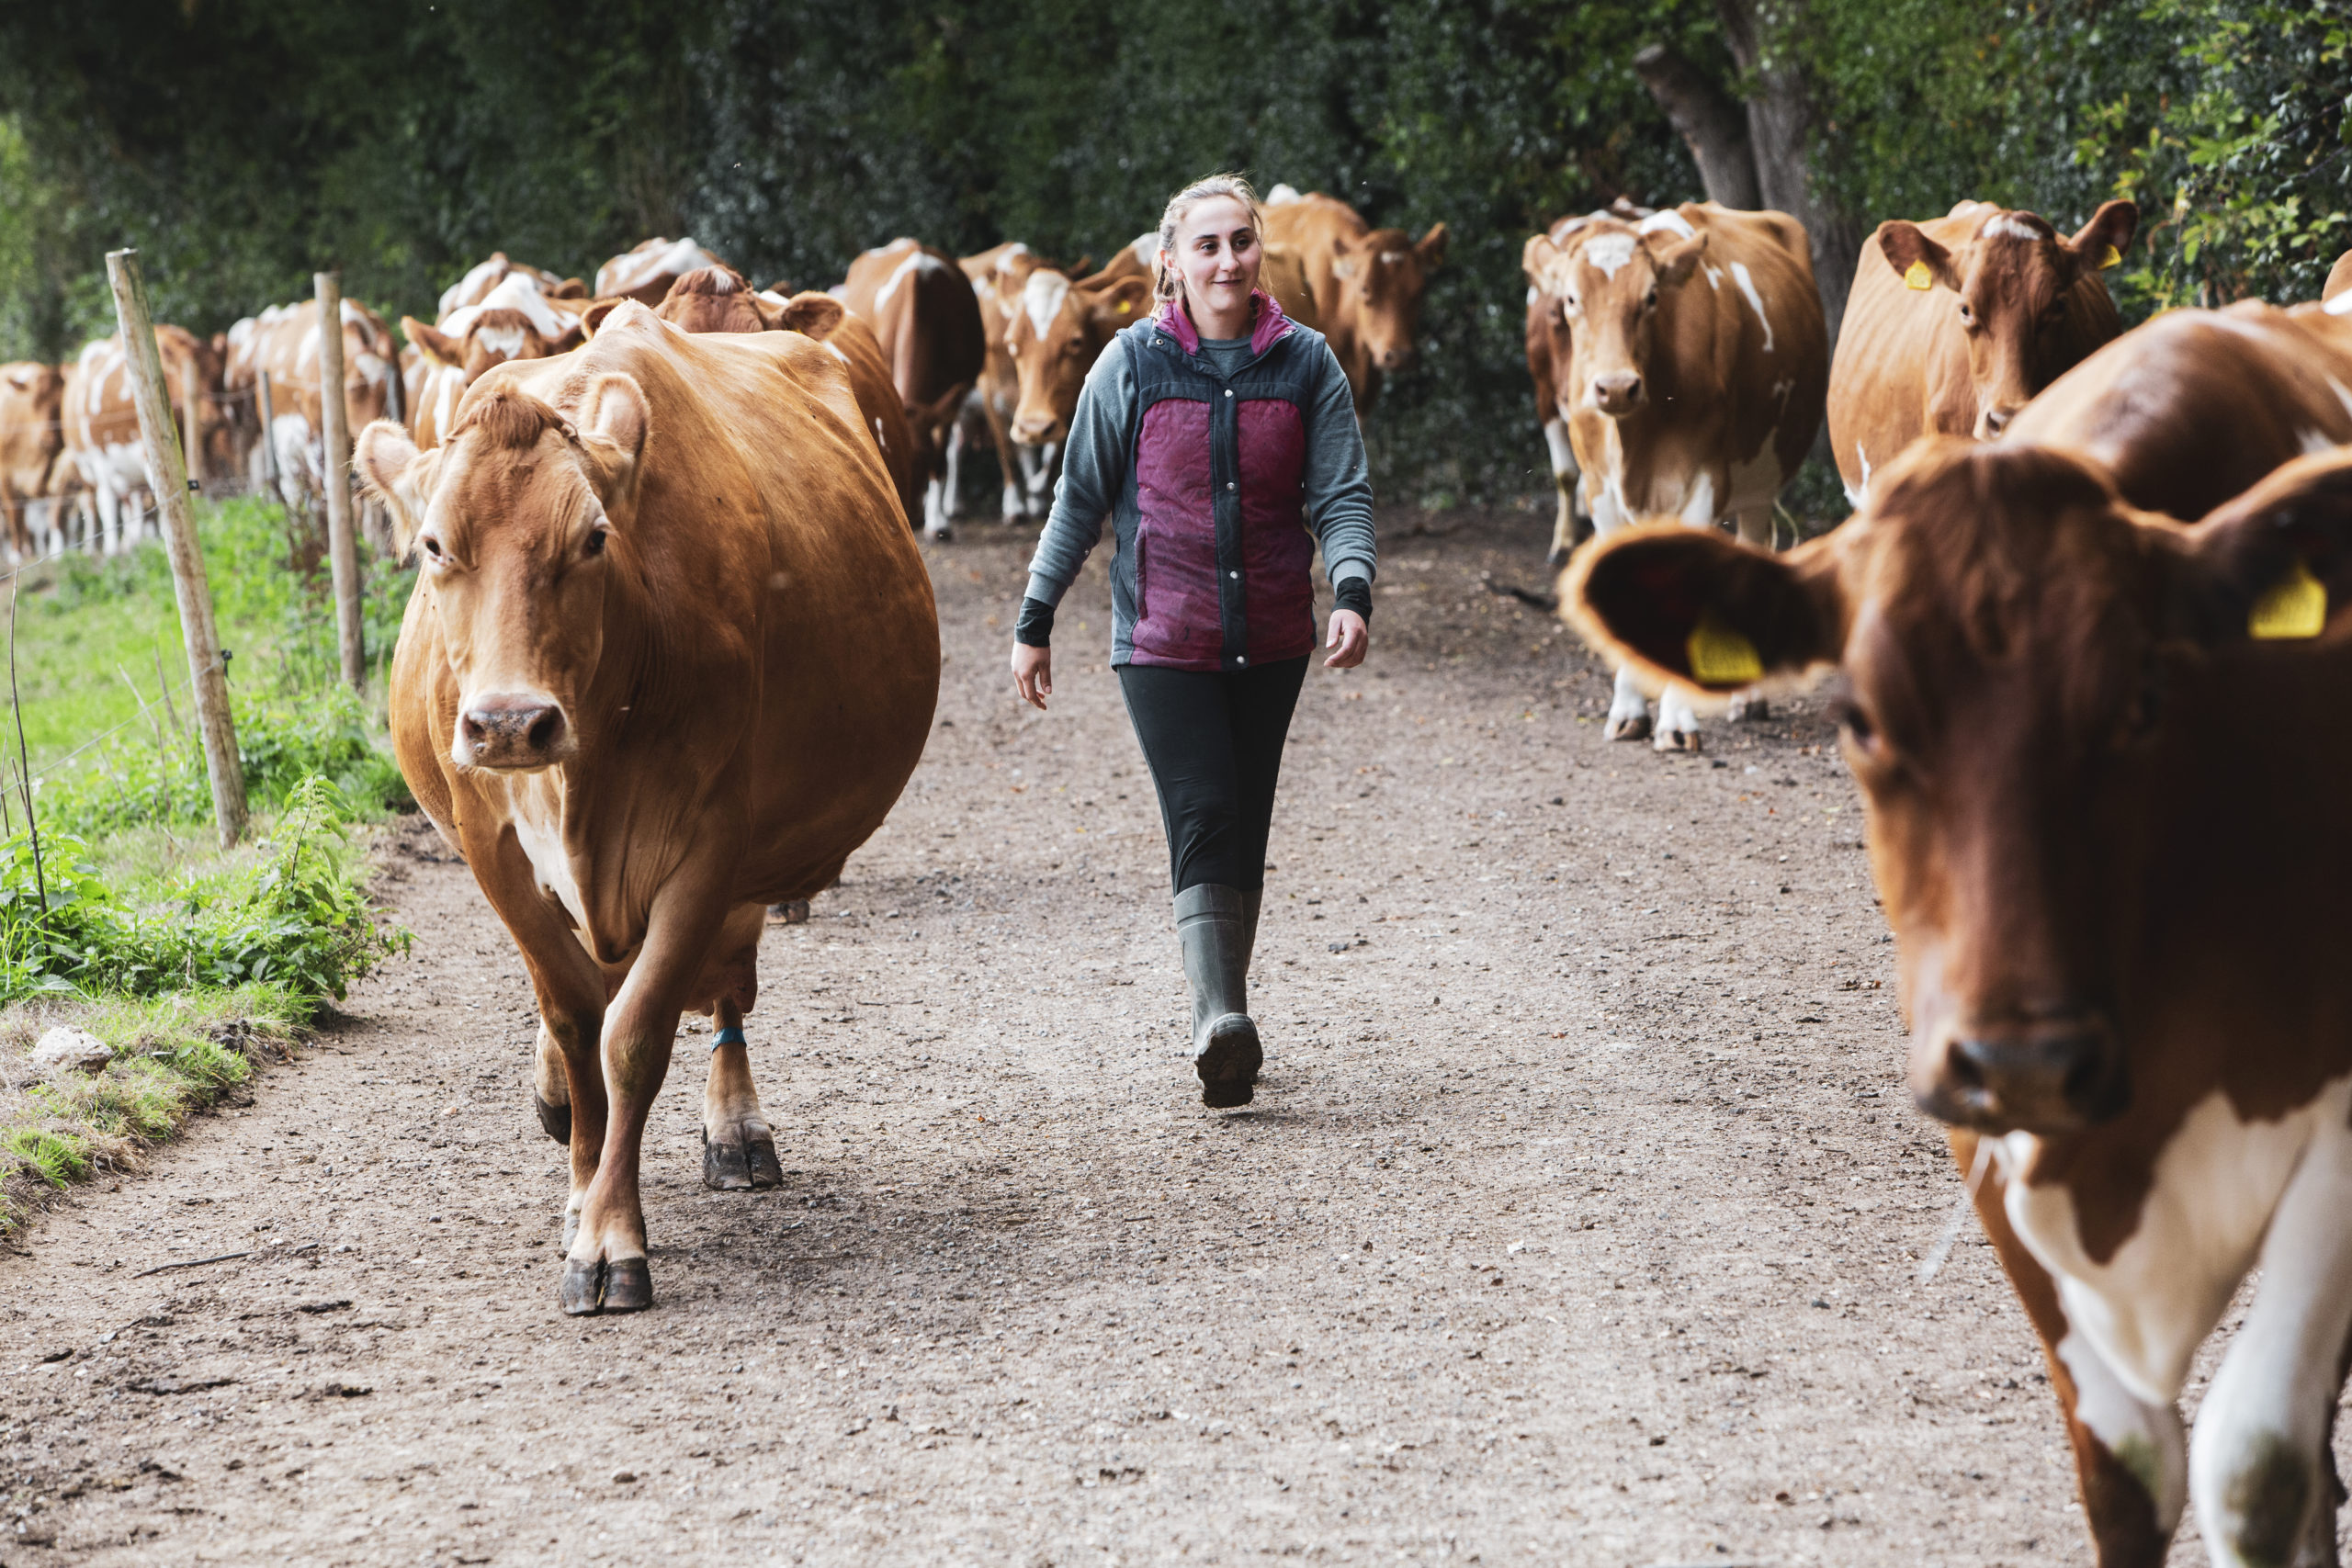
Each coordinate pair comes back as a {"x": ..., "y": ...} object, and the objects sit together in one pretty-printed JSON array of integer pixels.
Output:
[
  {"x": 1556, "y": 560},
  {"x": 791, "y": 912},
  {"x": 1633, "y": 728},
  {"x": 1747, "y": 710},
  {"x": 1678, "y": 740},
  {"x": 554, "y": 1120},
  {"x": 943, "y": 535},
  {"x": 597, "y": 1287},
  {"x": 1228, "y": 1064},
  {"x": 748, "y": 1166}
]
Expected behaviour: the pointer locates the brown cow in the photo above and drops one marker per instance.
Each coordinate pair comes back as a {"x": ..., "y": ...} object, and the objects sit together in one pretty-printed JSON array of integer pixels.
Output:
[
  {"x": 282, "y": 346},
  {"x": 100, "y": 422},
  {"x": 645, "y": 273},
  {"x": 2196, "y": 406},
  {"x": 2102, "y": 804},
  {"x": 1955, "y": 325},
  {"x": 1549, "y": 346},
  {"x": 1058, "y": 333},
  {"x": 716, "y": 300},
  {"x": 483, "y": 276},
  {"x": 1694, "y": 380},
  {"x": 670, "y": 657},
  {"x": 920, "y": 305},
  {"x": 513, "y": 321},
  {"x": 999, "y": 275},
  {"x": 1366, "y": 283},
  {"x": 32, "y": 437}
]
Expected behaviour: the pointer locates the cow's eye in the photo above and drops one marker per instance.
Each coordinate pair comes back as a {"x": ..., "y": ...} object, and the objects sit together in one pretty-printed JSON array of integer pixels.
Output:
[
  {"x": 1855, "y": 721},
  {"x": 594, "y": 545},
  {"x": 432, "y": 547},
  {"x": 1649, "y": 300},
  {"x": 1967, "y": 316}
]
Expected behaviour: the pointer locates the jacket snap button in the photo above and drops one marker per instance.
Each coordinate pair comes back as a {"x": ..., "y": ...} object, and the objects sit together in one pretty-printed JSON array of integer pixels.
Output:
[
  {"x": 1228, "y": 391},
  {"x": 1235, "y": 575},
  {"x": 1228, "y": 484},
  {"x": 1241, "y": 658}
]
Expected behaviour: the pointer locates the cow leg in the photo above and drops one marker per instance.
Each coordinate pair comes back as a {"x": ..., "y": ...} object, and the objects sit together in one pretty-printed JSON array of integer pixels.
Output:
[
  {"x": 606, "y": 1268},
  {"x": 109, "y": 531},
  {"x": 952, "y": 504},
  {"x": 2130, "y": 1456},
  {"x": 1040, "y": 466},
  {"x": 2266, "y": 1493},
  {"x": 1564, "y": 480},
  {"x": 738, "y": 1144}
]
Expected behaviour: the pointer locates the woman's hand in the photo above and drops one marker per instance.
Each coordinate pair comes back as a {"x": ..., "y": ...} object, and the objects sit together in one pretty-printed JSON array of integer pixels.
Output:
[
  {"x": 1033, "y": 674},
  {"x": 1348, "y": 636}
]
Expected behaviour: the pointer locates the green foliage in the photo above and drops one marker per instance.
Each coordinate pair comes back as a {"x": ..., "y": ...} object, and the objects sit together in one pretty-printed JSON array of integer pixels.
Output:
[{"x": 296, "y": 920}]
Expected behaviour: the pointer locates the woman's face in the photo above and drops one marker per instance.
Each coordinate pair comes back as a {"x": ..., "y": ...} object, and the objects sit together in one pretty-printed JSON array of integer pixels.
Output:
[{"x": 1217, "y": 254}]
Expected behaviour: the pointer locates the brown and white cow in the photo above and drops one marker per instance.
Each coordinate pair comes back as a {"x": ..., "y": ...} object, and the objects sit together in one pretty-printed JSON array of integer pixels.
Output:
[
  {"x": 514, "y": 320},
  {"x": 280, "y": 346},
  {"x": 1366, "y": 283},
  {"x": 671, "y": 657},
  {"x": 33, "y": 438},
  {"x": 1549, "y": 345},
  {"x": 1058, "y": 333},
  {"x": 2104, "y": 814},
  {"x": 2194, "y": 407},
  {"x": 1696, "y": 363},
  {"x": 100, "y": 422},
  {"x": 718, "y": 299},
  {"x": 920, "y": 306},
  {"x": 999, "y": 275},
  {"x": 1954, "y": 325},
  {"x": 646, "y": 272},
  {"x": 483, "y": 276}
]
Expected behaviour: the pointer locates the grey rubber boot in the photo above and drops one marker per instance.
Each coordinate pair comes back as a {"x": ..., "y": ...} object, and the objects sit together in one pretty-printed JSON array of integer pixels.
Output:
[{"x": 1213, "y": 925}]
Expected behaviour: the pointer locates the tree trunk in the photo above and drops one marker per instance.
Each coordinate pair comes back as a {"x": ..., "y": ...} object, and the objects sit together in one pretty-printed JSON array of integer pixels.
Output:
[
  {"x": 1709, "y": 122},
  {"x": 1780, "y": 126}
]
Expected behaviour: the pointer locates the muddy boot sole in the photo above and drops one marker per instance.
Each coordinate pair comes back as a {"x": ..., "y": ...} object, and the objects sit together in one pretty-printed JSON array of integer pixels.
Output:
[{"x": 1228, "y": 1063}]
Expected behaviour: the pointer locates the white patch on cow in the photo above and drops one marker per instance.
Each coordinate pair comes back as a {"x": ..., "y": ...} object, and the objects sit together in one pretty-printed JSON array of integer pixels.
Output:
[
  {"x": 1533, "y": 294},
  {"x": 890, "y": 285},
  {"x": 1755, "y": 301},
  {"x": 773, "y": 298},
  {"x": 1147, "y": 248},
  {"x": 2014, "y": 226},
  {"x": 2314, "y": 441},
  {"x": 1862, "y": 458},
  {"x": 1283, "y": 195},
  {"x": 2339, "y": 305},
  {"x": 2145, "y": 1438},
  {"x": 1390, "y": 258},
  {"x": 1699, "y": 509},
  {"x": 539, "y": 829},
  {"x": 1667, "y": 221},
  {"x": 1714, "y": 276},
  {"x": 2277, "y": 1383},
  {"x": 2341, "y": 396},
  {"x": 837, "y": 354},
  {"x": 880, "y": 440},
  {"x": 506, "y": 342},
  {"x": 516, "y": 292},
  {"x": 624, "y": 275},
  {"x": 466, "y": 287},
  {"x": 445, "y": 408},
  {"x": 2210, "y": 1198},
  {"x": 1564, "y": 454},
  {"x": 1041, "y": 298},
  {"x": 1607, "y": 254},
  {"x": 934, "y": 508},
  {"x": 1011, "y": 258}
]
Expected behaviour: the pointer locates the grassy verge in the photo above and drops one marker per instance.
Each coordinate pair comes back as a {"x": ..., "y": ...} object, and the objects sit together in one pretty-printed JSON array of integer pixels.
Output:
[{"x": 120, "y": 916}]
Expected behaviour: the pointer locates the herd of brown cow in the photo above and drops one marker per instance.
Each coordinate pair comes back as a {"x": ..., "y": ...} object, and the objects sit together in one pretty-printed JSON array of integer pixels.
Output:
[{"x": 672, "y": 656}]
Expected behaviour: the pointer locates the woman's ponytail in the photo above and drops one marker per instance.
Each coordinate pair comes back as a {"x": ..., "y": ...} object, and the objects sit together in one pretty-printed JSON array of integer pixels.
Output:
[{"x": 1165, "y": 284}]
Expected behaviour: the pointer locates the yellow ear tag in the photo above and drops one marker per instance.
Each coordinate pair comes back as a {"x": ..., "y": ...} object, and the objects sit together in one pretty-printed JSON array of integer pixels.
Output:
[
  {"x": 1917, "y": 275},
  {"x": 2294, "y": 607},
  {"x": 2113, "y": 258},
  {"x": 1720, "y": 656},
  {"x": 1125, "y": 306}
]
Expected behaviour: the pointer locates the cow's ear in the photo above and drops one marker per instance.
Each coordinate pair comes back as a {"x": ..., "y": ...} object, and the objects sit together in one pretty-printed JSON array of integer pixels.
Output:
[
  {"x": 1697, "y": 608},
  {"x": 1536, "y": 257},
  {"x": 613, "y": 421},
  {"x": 390, "y": 465},
  {"x": 569, "y": 288},
  {"x": 592, "y": 319},
  {"x": 2100, "y": 243},
  {"x": 1431, "y": 249},
  {"x": 437, "y": 346},
  {"x": 1906, "y": 247},
  {"x": 573, "y": 336},
  {"x": 1678, "y": 261},
  {"x": 1125, "y": 301},
  {"x": 2276, "y": 563},
  {"x": 812, "y": 314}
]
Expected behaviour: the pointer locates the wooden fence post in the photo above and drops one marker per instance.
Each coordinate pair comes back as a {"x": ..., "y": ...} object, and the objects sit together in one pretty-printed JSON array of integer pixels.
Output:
[
  {"x": 343, "y": 550},
  {"x": 208, "y": 673},
  {"x": 268, "y": 429}
]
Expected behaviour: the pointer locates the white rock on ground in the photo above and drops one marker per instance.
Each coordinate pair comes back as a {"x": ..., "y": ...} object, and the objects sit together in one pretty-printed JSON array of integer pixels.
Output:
[{"x": 63, "y": 1048}]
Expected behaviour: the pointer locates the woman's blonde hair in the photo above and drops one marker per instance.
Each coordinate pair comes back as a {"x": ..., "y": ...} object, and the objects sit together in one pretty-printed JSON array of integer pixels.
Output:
[{"x": 1165, "y": 284}]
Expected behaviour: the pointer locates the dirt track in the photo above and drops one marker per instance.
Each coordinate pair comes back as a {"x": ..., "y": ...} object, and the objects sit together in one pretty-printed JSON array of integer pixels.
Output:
[{"x": 1577, "y": 1219}]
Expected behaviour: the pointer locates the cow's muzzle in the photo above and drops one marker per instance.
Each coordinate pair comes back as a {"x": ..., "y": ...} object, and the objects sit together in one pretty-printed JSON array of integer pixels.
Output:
[
  {"x": 2055, "y": 1072},
  {"x": 1619, "y": 393},
  {"x": 513, "y": 730},
  {"x": 1031, "y": 430}
]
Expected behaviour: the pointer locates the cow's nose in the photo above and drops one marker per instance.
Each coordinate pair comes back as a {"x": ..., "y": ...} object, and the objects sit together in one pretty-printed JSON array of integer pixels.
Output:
[
  {"x": 513, "y": 730},
  {"x": 1618, "y": 392},
  {"x": 2055, "y": 1074},
  {"x": 1994, "y": 421},
  {"x": 1030, "y": 430},
  {"x": 1394, "y": 358}
]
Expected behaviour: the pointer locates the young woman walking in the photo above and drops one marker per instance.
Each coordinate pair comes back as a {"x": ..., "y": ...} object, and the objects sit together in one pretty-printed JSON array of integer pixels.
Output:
[{"x": 1220, "y": 437}]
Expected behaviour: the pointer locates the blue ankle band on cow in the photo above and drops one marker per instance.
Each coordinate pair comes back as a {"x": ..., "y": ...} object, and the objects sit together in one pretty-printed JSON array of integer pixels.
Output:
[{"x": 729, "y": 1036}]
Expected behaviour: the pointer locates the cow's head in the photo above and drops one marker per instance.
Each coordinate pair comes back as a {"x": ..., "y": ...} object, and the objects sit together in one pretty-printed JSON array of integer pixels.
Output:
[
  {"x": 521, "y": 518},
  {"x": 477, "y": 337},
  {"x": 1054, "y": 332},
  {"x": 2005, "y": 632},
  {"x": 715, "y": 299},
  {"x": 1382, "y": 276},
  {"x": 1609, "y": 280},
  {"x": 2016, "y": 284}
]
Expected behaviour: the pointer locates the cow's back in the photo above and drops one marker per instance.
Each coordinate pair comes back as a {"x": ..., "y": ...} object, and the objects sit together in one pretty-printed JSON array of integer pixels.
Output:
[
  {"x": 2195, "y": 407},
  {"x": 794, "y": 645}
]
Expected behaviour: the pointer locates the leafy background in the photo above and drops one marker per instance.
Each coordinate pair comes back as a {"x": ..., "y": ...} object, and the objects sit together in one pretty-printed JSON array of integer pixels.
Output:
[{"x": 242, "y": 143}]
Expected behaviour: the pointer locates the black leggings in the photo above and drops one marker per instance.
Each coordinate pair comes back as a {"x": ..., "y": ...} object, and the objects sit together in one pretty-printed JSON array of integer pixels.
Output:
[{"x": 1214, "y": 745}]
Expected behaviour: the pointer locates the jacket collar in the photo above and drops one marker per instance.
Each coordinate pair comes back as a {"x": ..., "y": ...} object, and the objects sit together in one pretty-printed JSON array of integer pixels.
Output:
[{"x": 1272, "y": 326}]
